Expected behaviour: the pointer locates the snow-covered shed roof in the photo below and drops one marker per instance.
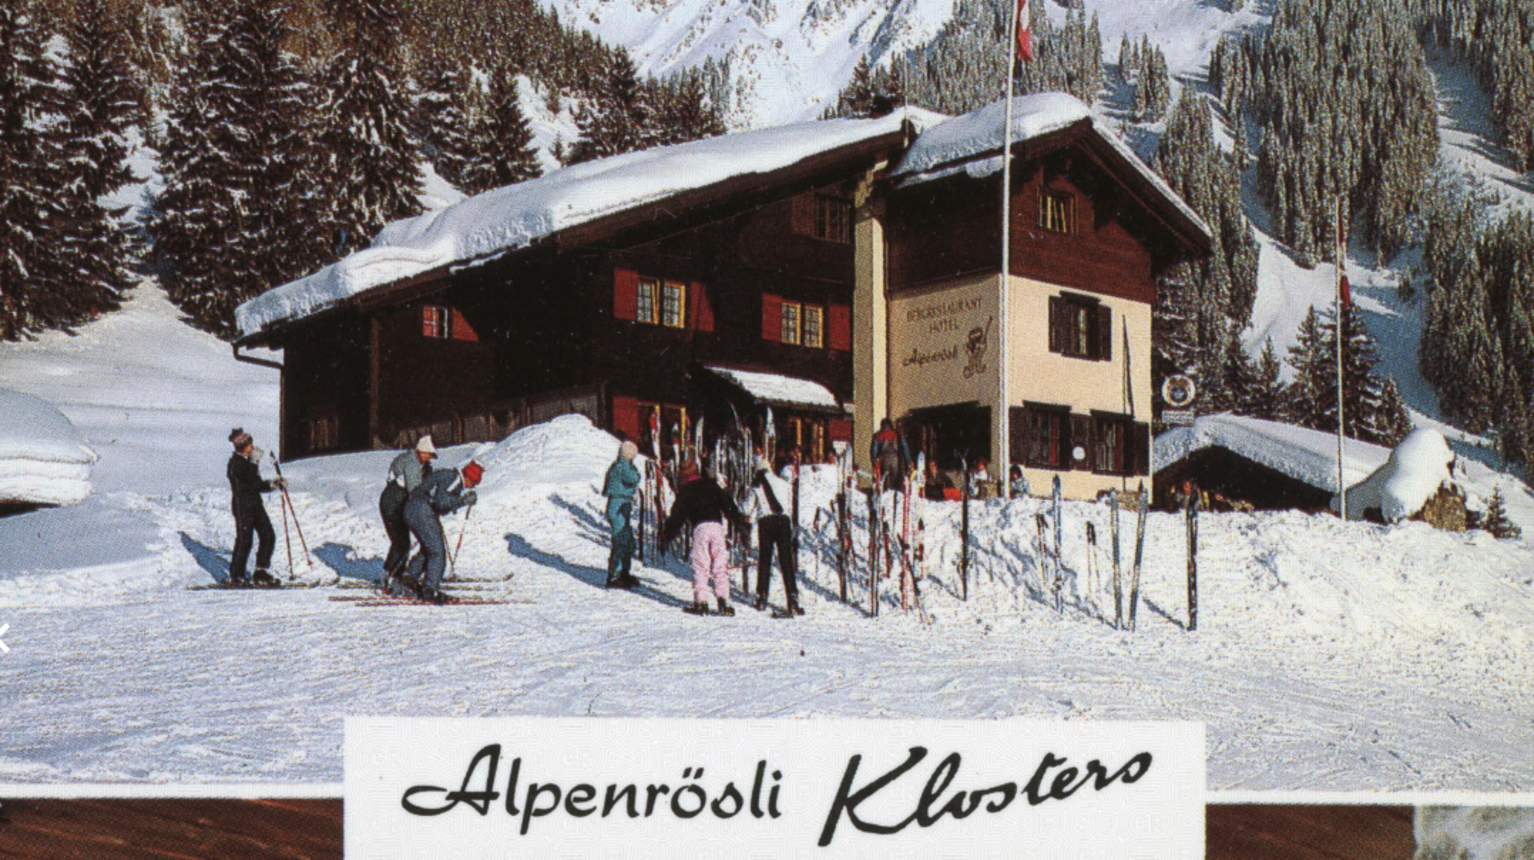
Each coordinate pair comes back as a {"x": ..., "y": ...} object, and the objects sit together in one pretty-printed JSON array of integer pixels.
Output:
[
  {"x": 779, "y": 390},
  {"x": 43, "y": 457},
  {"x": 1299, "y": 452},
  {"x": 517, "y": 216},
  {"x": 972, "y": 144}
]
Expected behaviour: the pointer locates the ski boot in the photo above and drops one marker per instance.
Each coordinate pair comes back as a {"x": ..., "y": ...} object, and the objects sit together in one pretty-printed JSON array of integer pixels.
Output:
[
  {"x": 794, "y": 608},
  {"x": 725, "y": 608},
  {"x": 262, "y": 579},
  {"x": 434, "y": 596},
  {"x": 628, "y": 581},
  {"x": 697, "y": 607},
  {"x": 238, "y": 580},
  {"x": 761, "y": 603},
  {"x": 405, "y": 585}
]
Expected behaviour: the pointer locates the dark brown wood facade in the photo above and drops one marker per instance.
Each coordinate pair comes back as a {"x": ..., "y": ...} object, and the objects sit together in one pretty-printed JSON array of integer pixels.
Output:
[
  {"x": 548, "y": 327},
  {"x": 949, "y": 228}
]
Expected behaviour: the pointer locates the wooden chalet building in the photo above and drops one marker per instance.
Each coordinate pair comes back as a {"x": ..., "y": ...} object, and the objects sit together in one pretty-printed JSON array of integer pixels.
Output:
[{"x": 827, "y": 273}]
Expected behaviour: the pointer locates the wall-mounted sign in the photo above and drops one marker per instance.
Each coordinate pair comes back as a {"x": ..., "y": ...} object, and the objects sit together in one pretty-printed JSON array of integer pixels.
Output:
[{"x": 1178, "y": 391}]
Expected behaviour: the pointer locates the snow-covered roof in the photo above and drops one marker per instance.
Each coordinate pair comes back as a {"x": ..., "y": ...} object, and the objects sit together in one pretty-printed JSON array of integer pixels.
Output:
[
  {"x": 972, "y": 143},
  {"x": 43, "y": 457},
  {"x": 513, "y": 217},
  {"x": 1400, "y": 487},
  {"x": 1299, "y": 452},
  {"x": 781, "y": 390}
]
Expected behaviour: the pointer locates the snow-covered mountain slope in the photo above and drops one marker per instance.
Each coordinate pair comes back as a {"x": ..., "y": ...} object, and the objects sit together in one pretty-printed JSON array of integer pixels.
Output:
[{"x": 788, "y": 58}]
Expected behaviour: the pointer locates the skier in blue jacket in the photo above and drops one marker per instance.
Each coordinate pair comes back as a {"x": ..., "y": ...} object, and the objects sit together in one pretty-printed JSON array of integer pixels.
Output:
[
  {"x": 441, "y": 492},
  {"x": 620, "y": 486}
]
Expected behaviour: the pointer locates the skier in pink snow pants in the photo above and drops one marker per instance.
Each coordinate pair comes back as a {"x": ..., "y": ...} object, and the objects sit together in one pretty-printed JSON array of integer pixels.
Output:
[
  {"x": 710, "y": 560},
  {"x": 703, "y": 505}
]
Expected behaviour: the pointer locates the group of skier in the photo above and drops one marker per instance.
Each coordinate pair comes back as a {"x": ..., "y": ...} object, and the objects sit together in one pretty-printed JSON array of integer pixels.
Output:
[
  {"x": 414, "y": 498},
  {"x": 417, "y": 494}
]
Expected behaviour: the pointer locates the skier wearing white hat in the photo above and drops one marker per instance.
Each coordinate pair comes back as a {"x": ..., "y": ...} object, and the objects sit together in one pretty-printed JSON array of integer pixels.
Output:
[{"x": 405, "y": 474}]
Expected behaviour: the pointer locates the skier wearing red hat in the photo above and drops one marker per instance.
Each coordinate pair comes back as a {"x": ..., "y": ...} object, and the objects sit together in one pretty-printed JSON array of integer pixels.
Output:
[{"x": 441, "y": 492}]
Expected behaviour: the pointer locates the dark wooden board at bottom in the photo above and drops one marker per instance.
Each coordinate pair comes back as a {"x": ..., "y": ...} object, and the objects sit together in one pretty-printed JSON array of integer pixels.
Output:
[
  {"x": 1266, "y": 832},
  {"x": 163, "y": 829}
]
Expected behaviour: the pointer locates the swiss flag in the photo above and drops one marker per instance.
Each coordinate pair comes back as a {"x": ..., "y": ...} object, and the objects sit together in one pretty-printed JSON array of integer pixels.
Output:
[{"x": 1024, "y": 33}]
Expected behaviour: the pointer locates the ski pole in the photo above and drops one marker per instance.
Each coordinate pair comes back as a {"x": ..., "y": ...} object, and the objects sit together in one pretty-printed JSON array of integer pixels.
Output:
[
  {"x": 452, "y": 560},
  {"x": 309, "y": 560},
  {"x": 286, "y": 539}
]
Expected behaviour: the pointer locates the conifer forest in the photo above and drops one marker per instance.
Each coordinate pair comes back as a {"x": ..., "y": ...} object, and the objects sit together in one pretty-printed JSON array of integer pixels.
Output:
[{"x": 284, "y": 134}]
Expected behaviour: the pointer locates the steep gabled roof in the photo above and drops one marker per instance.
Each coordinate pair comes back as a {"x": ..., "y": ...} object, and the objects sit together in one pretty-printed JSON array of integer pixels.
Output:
[
  {"x": 972, "y": 143},
  {"x": 578, "y": 205}
]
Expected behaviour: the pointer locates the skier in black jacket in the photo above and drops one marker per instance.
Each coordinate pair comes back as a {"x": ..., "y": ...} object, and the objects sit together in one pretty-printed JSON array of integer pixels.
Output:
[{"x": 246, "y": 487}]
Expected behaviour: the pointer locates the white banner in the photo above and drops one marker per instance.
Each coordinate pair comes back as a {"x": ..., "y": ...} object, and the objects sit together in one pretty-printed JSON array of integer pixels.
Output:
[{"x": 632, "y": 788}]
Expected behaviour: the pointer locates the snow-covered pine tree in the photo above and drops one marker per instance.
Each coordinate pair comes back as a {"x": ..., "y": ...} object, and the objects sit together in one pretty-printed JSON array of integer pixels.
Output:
[
  {"x": 509, "y": 144},
  {"x": 1315, "y": 380},
  {"x": 616, "y": 116},
  {"x": 685, "y": 111},
  {"x": 98, "y": 107},
  {"x": 1267, "y": 395},
  {"x": 857, "y": 100},
  {"x": 25, "y": 195},
  {"x": 197, "y": 210},
  {"x": 1496, "y": 520},
  {"x": 373, "y": 173},
  {"x": 237, "y": 214},
  {"x": 440, "y": 108}
]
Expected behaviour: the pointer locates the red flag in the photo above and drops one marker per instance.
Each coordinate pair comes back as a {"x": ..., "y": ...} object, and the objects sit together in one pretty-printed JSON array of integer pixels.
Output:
[
  {"x": 1345, "y": 292},
  {"x": 1024, "y": 32}
]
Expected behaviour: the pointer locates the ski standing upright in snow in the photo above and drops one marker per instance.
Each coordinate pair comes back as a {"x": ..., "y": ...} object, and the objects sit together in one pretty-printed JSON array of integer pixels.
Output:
[
  {"x": 1059, "y": 583},
  {"x": 1118, "y": 585},
  {"x": 1134, "y": 577}
]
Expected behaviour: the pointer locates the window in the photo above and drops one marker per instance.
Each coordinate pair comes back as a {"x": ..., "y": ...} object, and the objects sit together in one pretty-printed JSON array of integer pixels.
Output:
[
  {"x": 1045, "y": 428},
  {"x": 647, "y": 298},
  {"x": 1056, "y": 212},
  {"x": 814, "y": 326},
  {"x": 1080, "y": 327},
  {"x": 823, "y": 216},
  {"x": 673, "y": 303},
  {"x": 1110, "y": 444},
  {"x": 791, "y": 332},
  {"x": 833, "y": 219},
  {"x": 434, "y": 322}
]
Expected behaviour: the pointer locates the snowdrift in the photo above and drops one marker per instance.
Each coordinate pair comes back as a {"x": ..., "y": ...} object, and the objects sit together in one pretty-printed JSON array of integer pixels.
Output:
[
  {"x": 43, "y": 458},
  {"x": 1399, "y": 488}
]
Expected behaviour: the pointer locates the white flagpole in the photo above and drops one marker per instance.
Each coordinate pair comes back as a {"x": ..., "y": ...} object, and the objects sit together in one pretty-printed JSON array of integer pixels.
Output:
[
  {"x": 1005, "y": 424},
  {"x": 1342, "y": 493}
]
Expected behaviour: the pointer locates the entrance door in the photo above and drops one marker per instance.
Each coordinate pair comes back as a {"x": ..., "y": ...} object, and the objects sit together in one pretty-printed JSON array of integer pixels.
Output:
[{"x": 944, "y": 433}]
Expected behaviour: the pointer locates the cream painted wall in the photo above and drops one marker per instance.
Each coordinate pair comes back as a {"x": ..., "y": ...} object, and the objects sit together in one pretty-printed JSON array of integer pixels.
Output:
[
  {"x": 1046, "y": 377},
  {"x": 943, "y": 345},
  {"x": 870, "y": 307},
  {"x": 1042, "y": 376}
]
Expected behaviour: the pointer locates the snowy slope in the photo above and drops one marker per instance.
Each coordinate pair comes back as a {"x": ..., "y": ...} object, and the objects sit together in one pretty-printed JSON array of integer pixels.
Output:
[{"x": 1328, "y": 655}]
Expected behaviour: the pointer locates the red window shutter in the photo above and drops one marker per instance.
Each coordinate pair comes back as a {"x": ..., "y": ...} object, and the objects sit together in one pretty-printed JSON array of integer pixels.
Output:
[
  {"x": 840, "y": 325},
  {"x": 460, "y": 328},
  {"x": 1056, "y": 324},
  {"x": 841, "y": 430},
  {"x": 1104, "y": 333},
  {"x": 772, "y": 318},
  {"x": 626, "y": 417},
  {"x": 625, "y": 294},
  {"x": 702, "y": 308}
]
